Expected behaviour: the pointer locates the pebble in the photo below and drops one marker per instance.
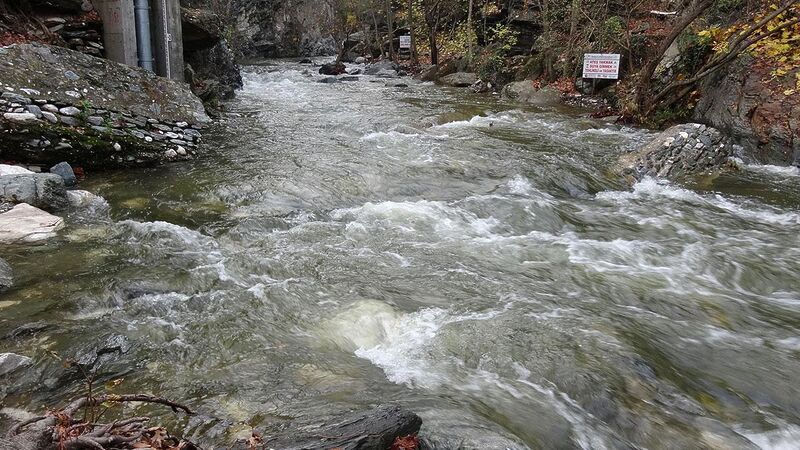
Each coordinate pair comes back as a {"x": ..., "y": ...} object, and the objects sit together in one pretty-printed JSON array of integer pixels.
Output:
[
  {"x": 180, "y": 150},
  {"x": 50, "y": 108},
  {"x": 170, "y": 153}
]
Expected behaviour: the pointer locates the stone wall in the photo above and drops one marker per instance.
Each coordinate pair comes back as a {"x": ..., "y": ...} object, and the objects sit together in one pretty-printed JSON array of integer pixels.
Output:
[{"x": 60, "y": 105}]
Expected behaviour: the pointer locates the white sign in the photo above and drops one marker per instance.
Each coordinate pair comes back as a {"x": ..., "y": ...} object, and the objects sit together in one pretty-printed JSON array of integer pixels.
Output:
[
  {"x": 601, "y": 65},
  {"x": 405, "y": 41}
]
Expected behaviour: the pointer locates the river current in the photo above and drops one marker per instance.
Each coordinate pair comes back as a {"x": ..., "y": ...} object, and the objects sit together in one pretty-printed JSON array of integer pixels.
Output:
[{"x": 344, "y": 245}]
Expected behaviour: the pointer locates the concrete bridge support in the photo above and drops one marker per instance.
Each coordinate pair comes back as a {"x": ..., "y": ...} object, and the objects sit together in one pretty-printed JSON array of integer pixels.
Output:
[{"x": 119, "y": 34}]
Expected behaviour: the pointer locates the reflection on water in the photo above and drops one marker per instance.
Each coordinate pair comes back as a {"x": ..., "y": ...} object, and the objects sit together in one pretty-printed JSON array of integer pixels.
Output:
[{"x": 342, "y": 245}]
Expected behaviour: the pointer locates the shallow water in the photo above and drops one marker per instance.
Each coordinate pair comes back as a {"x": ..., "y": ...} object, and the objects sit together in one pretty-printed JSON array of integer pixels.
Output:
[{"x": 344, "y": 245}]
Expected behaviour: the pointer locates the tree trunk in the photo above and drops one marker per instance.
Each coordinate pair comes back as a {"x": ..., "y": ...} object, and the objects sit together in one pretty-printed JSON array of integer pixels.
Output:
[
  {"x": 411, "y": 32},
  {"x": 695, "y": 9},
  {"x": 471, "y": 32},
  {"x": 434, "y": 50},
  {"x": 390, "y": 24}
]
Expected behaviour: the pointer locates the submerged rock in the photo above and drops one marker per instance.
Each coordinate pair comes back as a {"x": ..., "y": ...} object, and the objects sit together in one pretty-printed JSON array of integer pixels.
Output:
[
  {"x": 459, "y": 79},
  {"x": 680, "y": 151},
  {"x": 42, "y": 190},
  {"x": 26, "y": 224},
  {"x": 526, "y": 92},
  {"x": 6, "y": 276}
]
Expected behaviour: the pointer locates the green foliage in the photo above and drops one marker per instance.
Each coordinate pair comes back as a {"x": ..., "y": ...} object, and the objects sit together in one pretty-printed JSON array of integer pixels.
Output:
[
  {"x": 457, "y": 42},
  {"x": 503, "y": 38}
]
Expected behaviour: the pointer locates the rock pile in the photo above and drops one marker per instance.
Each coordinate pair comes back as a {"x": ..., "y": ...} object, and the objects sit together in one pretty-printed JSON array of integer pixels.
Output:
[
  {"x": 680, "y": 151},
  {"x": 82, "y": 33},
  {"x": 60, "y": 105}
]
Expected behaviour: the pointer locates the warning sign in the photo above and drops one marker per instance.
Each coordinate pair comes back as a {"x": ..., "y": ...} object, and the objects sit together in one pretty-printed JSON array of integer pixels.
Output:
[
  {"x": 405, "y": 41},
  {"x": 601, "y": 65}
]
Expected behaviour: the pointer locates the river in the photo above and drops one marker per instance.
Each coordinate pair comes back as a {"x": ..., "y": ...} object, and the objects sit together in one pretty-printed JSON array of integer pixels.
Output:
[{"x": 344, "y": 245}]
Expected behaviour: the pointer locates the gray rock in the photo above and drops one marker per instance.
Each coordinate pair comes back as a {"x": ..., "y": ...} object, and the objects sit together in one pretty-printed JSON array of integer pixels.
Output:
[
  {"x": 348, "y": 78},
  {"x": 19, "y": 117},
  {"x": 329, "y": 80},
  {"x": 459, "y": 79},
  {"x": 71, "y": 121},
  {"x": 360, "y": 60},
  {"x": 95, "y": 120},
  {"x": 64, "y": 170},
  {"x": 50, "y": 117},
  {"x": 69, "y": 111},
  {"x": 50, "y": 108},
  {"x": 15, "y": 98},
  {"x": 6, "y": 276},
  {"x": 525, "y": 91},
  {"x": 10, "y": 362},
  {"x": 35, "y": 110},
  {"x": 380, "y": 66},
  {"x": 42, "y": 190}
]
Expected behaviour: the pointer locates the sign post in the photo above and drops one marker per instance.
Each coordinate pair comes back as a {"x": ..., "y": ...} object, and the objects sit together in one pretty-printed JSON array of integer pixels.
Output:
[{"x": 600, "y": 65}]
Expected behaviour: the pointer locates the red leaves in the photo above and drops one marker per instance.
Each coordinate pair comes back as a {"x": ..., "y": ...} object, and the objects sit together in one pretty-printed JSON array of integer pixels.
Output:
[{"x": 410, "y": 442}]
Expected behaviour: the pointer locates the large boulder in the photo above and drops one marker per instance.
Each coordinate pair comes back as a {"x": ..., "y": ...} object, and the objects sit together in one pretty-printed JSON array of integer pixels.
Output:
[
  {"x": 42, "y": 190},
  {"x": 383, "y": 67},
  {"x": 762, "y": 119},
  {"x": 681, "y": 151},
  {"x": 526, "y": 92},
  {"x": 26, "y": 224},
  {"x": 91, "y": 112},
  {"x": 6, "y": 276},
  {"x": 459, "y": 79},
  {"x": 334, "y": 68},
  {"x": 266, "y": 28}
]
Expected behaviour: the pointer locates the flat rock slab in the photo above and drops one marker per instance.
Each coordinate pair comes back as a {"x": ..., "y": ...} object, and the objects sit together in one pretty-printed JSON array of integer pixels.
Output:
[
  {"x": 26, "y": 224},
  {"x": 64, "y": 76}
]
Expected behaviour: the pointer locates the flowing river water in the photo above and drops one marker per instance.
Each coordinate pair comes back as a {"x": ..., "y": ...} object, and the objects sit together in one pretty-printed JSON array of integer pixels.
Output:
[{"x": 344, "y": 245}]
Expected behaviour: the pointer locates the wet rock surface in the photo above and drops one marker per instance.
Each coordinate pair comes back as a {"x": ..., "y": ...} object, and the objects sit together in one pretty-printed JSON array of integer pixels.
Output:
[
  {"x": 459, "y": 79},
  {"x": 60, "y": 105},
  {"x": 681, "y": 151},
  {"x": 211, "y": 67}
]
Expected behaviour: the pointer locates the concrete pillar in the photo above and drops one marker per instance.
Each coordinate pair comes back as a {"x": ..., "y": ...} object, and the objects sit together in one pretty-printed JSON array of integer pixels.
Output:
[
  {"x": 119, "y": 30},
  {"x": 168, "y": 38}
]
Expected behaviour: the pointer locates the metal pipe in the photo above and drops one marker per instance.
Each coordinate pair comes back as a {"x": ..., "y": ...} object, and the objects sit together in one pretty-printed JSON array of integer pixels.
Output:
[{"x": 144, "y": 44}]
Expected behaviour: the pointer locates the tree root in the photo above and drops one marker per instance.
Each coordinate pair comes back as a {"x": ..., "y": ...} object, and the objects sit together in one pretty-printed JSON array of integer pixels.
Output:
[{"x": 65, "y": 432}]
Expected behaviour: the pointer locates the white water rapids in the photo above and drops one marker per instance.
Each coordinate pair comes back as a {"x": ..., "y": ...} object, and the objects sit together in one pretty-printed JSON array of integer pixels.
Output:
[{"x": 344, "y": 245}]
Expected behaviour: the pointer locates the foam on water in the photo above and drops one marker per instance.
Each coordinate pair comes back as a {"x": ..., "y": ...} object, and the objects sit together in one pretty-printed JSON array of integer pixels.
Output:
[
  {"x": 784, "y": 437},
  {"x": 781, "y": 171},
  {"x": 744, "y": 209},
  {"x": 446, "y": 220}
]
